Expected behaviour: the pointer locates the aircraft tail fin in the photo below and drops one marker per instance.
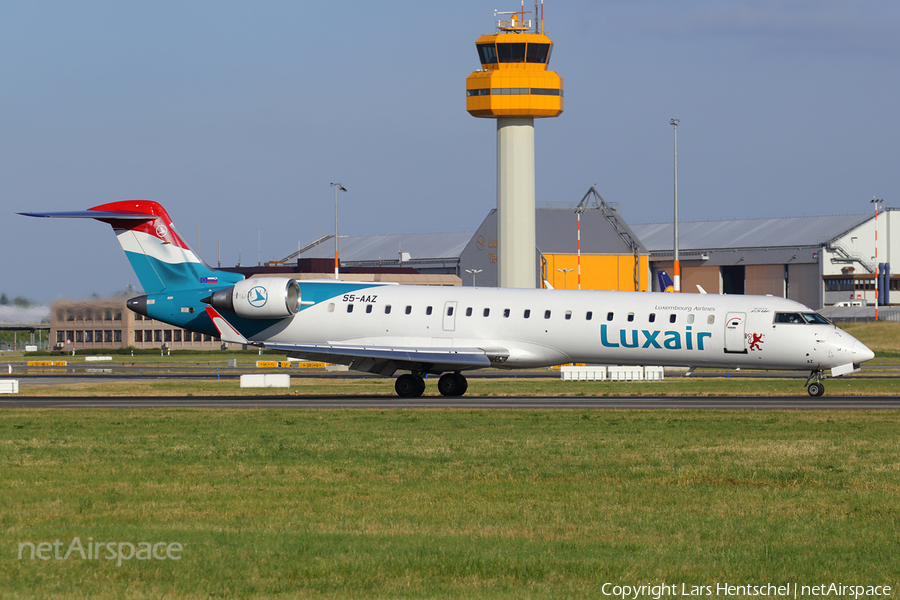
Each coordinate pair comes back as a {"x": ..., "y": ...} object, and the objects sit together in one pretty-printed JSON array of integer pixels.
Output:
[
  {"x": 160, "y": 257},
  {"x": 665, "y": 282}
]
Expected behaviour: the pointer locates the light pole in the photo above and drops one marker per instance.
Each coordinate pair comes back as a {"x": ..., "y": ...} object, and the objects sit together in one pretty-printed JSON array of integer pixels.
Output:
[
  {"x": 473, "y": 272},
  {"x": 677, "y": 269},
  {"x": 578, "y": 212},
  {"x": 877, "y": 202},
  {"x": 337, "y": 263},
  {"x": 565, "y": 273}
]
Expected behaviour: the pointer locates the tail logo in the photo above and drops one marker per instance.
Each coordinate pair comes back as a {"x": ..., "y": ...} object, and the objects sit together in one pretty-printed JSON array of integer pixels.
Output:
[
  {"x": 162, "y": 231},
  {"x": 257, "y": 297}
]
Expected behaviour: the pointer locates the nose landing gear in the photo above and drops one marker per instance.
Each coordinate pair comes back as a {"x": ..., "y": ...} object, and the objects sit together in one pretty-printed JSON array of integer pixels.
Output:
[{"x": 814, "y": 386}]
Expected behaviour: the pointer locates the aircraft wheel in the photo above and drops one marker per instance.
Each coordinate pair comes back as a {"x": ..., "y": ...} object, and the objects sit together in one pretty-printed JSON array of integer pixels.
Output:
[
  {"x": 409, "y": 386},
  {"x": 452, "y": 384},
  {"x": 815, "y": 389}
]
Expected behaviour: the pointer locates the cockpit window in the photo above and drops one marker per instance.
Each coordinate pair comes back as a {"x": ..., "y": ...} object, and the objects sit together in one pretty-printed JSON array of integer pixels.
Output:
[
  {"x": 815, "y": 318},
  {"x": 789, "y": 318}
]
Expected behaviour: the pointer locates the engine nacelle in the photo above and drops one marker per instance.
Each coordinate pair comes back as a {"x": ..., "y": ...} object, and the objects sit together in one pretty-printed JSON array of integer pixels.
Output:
[{"x": 260, "y": 298}]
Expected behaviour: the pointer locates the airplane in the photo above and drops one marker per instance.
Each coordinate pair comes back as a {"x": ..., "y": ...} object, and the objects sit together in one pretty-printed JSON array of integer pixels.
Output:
[
  {"x": 384, "y": 328},
  {"x": 665, "y": 282},
  {"x": 667, "y": 285}
]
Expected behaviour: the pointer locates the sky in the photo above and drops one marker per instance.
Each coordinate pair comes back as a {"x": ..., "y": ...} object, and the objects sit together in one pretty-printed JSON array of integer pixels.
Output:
[{"x": 236, "y": 116}]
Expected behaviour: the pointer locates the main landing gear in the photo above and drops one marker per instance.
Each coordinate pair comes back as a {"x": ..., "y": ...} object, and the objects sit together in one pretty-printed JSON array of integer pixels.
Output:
[
  {"x": 814, "y": 385},
  {"x": 411, "y": 385}
]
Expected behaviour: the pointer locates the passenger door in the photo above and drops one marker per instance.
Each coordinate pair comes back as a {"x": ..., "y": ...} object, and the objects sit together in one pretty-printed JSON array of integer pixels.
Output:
[{"x": 735, "y": 336}]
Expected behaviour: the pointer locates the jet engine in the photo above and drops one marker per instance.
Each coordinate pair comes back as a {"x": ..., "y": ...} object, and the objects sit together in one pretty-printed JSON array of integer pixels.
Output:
[{"x": 261, "y": 298}]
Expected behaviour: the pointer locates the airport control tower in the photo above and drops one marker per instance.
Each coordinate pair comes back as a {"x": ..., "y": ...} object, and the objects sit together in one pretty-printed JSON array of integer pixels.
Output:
[{"x": 515, "y": 87}]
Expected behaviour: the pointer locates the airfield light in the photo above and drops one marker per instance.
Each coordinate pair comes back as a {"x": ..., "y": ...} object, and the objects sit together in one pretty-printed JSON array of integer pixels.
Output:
[
  {"x": 473, "y": 272},
  {"x": 677, "y": 275},
  {"x": 336, "y": 186}
]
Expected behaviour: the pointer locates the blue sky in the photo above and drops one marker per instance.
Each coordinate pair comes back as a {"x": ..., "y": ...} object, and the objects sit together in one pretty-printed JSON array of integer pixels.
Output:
[{"x": 236, "y": 116}]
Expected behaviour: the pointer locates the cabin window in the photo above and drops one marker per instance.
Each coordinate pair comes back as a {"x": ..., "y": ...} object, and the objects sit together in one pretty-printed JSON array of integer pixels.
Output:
[
  {"x": 710, "y": 319},
  {"x": 408, "y": 309},
  {"x": 609, "y": 316},
  {"x": 487, "y": 312},
  {"x": 349, "y": 308},
  {"x": 505, "y": 313},
  {"x": 428, "y": 310},
  {"x": 368, "y": 308},
  {"x": 331, "y": 307},
  {"x": 630, "y": 317},
  {"x": 588, "y": 316},
  {"x": 546, "y": 314},
  {"x": 690, "y": 319},
  {"x": 449, "y": 311},
  {"x": 652, "y": 318},
  {"x": 568, "y": 315},
  {"x": 469, "y": 312},
  {"x": 527, "y": 313},
  {"x": 387, "y": 309},
  {"x": 672, "y": 318}
]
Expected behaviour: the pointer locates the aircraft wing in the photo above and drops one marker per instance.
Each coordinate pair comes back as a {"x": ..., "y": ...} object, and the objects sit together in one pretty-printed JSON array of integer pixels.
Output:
[{"x": 385, "y": 360}]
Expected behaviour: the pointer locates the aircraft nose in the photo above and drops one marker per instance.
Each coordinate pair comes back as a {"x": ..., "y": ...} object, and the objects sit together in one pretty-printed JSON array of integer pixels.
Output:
[{"x": 861, "y": 353}]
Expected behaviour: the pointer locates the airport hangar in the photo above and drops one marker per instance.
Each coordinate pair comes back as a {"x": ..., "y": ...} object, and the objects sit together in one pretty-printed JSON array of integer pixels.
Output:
[{"x": 819, "y": 261}]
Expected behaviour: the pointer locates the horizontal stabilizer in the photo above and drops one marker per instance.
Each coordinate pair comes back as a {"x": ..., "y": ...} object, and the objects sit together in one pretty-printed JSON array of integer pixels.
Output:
[{"x": 91, "y": 214}]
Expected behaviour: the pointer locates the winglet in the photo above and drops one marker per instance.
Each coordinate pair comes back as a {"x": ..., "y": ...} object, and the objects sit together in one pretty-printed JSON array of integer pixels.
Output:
[{"x": 226, "y": 330}]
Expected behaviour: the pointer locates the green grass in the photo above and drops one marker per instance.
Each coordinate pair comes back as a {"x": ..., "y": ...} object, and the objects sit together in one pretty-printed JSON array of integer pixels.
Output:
[{"x": 448, "y": 504}]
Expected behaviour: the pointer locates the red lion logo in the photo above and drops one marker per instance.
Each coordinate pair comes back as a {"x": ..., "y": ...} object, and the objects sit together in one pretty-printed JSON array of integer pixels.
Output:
[{"x": 755, "y": 341}]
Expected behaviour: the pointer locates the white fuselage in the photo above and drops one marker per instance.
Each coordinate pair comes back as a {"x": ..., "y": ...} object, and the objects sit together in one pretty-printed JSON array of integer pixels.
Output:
[{"x": 549, "y": 327}]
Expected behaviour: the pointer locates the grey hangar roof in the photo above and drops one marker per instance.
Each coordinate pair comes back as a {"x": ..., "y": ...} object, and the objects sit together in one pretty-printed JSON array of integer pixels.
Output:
[
  {"x": 748, "y": 233},
  {"x": 420, "y": 246}
]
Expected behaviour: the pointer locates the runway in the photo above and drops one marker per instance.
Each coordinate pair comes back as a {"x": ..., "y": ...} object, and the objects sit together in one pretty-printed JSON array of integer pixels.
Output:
[{"x": 466, "y": 402}]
